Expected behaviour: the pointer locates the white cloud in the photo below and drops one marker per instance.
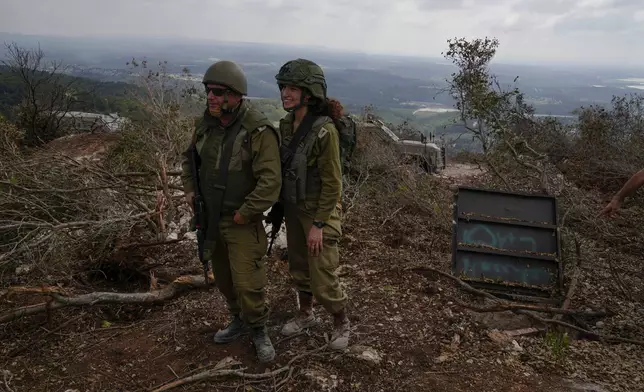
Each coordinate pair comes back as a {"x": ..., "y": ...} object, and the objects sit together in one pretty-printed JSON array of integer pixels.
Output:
[{"x": 598, "y": 31}]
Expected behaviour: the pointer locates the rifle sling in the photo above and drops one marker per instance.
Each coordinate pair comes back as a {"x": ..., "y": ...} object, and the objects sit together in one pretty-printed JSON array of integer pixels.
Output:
[{"x": 305, "y": 126}]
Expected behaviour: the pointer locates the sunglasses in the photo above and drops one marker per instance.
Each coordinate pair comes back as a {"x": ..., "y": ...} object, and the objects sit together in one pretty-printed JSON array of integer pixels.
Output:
[{"x": 216, "y": 91}]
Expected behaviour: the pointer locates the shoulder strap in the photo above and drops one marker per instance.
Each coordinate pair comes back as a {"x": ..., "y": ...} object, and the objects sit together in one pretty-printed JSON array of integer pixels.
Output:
[
  {"x": 287, "y": 152},
  {"x": 305, "y": 126}
]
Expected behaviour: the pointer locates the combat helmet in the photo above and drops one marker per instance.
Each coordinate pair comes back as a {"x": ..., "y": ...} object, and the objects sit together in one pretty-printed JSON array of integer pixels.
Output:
[
  {"x": 227, "y": 73},
  {"x": 304, "y": 74}
]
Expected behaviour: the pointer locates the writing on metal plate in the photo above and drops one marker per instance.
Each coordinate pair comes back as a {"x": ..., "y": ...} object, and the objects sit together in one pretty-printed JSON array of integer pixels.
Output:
[
  {"x": 508, "y": 271},
  {"x": 506, "y": 241},
  {"x": 482, "y": 234}
]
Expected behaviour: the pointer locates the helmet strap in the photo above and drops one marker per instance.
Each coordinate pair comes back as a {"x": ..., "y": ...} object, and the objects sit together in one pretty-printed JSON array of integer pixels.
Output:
[
  {"x": 223, "y": 109},
  {"x": 224, "y": 106},
  {"x": 296, "y": 107}
]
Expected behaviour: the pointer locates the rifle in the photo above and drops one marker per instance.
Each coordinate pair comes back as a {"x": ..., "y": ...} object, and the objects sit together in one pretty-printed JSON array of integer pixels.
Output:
[
  {"x": 199, "y": 219},
  {"x": 275, "y": 218}
]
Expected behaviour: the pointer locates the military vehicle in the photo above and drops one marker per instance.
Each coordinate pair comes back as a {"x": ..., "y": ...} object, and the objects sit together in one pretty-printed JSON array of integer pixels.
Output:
[{"x": 430, "y": 156}]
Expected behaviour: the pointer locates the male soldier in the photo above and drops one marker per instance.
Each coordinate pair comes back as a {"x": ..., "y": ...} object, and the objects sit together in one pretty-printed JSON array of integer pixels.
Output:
[
  {"x": 311, "y": 192},
  {"x": 632, "y": 185},
  {"x": 240, "y": 178}
]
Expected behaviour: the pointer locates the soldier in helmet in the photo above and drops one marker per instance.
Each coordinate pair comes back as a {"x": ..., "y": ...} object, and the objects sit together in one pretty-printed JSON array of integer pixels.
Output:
[
  {"x": 311, "y": 194},
  {"x": 240, "y": 178}
]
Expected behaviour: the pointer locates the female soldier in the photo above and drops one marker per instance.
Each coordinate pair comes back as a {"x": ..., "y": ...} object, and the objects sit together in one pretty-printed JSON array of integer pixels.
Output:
[{"x": 311, "y": 191}]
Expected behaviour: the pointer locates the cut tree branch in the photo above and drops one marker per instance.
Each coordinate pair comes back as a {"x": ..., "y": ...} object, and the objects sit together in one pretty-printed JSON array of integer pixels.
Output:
[
  {"x": 502, "y": 307},
  {"x": 177, "y": 287},
  {"x": 220, "y": 371},
  {"x": 496, "y": 301}
]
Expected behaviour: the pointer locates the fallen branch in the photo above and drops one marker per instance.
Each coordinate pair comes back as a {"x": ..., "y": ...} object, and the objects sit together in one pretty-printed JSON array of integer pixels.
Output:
[
  {"x": 70, "y": 225},
  {"x": 177, "y": 287},
  {"x": 495, "y": 300},
  {"x": 502, "y": 307},
  {"x": 175, "y": 173},
  {"x": 219, "y": 371},
  {"x": 144, "y": 245},
  {"x": 572, "y": 288},
  {"x": 7, "y": 377},
  {"x": 391, "y": 216},
  {"x": 618, "y": 280}
]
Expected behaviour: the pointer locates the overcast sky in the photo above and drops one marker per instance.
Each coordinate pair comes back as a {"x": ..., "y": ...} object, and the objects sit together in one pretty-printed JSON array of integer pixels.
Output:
[{"x": 598, "y": 31}]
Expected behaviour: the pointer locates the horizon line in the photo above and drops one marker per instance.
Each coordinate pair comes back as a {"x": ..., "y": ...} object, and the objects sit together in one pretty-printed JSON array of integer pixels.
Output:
[{"x": 176, "y": 38}]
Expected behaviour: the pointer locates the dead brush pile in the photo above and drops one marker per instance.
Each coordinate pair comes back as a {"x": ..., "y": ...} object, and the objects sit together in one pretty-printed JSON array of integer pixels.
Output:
[
  {"x": 58, "y": 212},
  {"x": 399, "y": 202},
  {"x": 62, "y": 215}
]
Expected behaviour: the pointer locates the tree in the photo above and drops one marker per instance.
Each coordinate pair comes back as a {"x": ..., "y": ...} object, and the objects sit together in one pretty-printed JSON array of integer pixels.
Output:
[
  {"x": 494, "y": 116},
  {"x": 48, "y": 94}
]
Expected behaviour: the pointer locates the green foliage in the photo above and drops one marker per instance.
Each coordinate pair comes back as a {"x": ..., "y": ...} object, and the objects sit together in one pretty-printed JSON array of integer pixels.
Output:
[
  {"x": 130, "y": 153},
  {"x": 486, "y": 109},
  {"x": 161, "y": 130},
  {"x": 272, "y": 108},
  {"x": 10, "y": 138},
  {"x": 98, "y": 97},
  {"x": 37, "y": 95},
  {"x": 558, "y": 343},
  {"x": 605, "y": 148}
]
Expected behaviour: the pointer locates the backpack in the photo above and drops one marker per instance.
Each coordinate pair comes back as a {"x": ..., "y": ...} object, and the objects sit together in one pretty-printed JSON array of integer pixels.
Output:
[{"x": 348, "y": 139}]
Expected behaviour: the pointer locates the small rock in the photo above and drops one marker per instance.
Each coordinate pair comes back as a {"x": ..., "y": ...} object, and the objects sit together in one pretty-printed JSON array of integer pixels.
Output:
[
  {"x": 24, "y": 269},
  {"x": 498, "y": 337},
  {"x": 365, "y": 353},
  {"x": 227, "y": 362},
  {"x": 324, "y": 383},
  {"x": 600, "y": 324},
  {"x": 442, "y": 358},
  {"x": 585, "y": 387},
  {"x": 516, "y": 347}
]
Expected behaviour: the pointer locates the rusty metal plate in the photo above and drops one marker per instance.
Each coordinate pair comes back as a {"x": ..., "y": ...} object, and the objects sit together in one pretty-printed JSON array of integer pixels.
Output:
[{"x": 507, "y": 242}]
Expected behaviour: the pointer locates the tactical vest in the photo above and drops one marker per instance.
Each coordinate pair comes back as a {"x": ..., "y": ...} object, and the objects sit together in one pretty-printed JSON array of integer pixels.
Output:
[
  {"x": 299, "y": 180},
  {"x": 210, "y": 139}
]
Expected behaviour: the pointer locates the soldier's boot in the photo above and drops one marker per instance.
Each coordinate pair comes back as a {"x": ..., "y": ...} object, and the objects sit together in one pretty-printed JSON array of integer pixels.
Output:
[
  {"x": 304, "y": 319},
  {"x": 263, "y": 345},
  {"x": 233, "y": 330},
  {"x": 342, "y": 328}
]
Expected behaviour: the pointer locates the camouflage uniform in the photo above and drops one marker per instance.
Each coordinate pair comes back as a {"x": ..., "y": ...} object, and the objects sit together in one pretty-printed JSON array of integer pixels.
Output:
[
  {"x": 311, "y": 193},
  {"x": 253, "y": 185}
]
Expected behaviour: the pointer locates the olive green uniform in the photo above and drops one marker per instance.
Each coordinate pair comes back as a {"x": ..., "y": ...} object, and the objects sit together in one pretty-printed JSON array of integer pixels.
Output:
[
  {"x": 314, "y": 196},
  {"x": 253, "y": 185}
]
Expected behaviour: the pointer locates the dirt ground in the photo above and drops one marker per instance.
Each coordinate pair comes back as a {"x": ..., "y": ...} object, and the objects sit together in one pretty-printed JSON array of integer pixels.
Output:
[{"x": 409, "y": 334}]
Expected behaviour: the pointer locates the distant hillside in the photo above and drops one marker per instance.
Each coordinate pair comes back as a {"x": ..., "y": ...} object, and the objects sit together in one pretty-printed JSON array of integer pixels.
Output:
[
  {"x": 97, "y": 96},
  {"x": 357, "y": 79}
]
